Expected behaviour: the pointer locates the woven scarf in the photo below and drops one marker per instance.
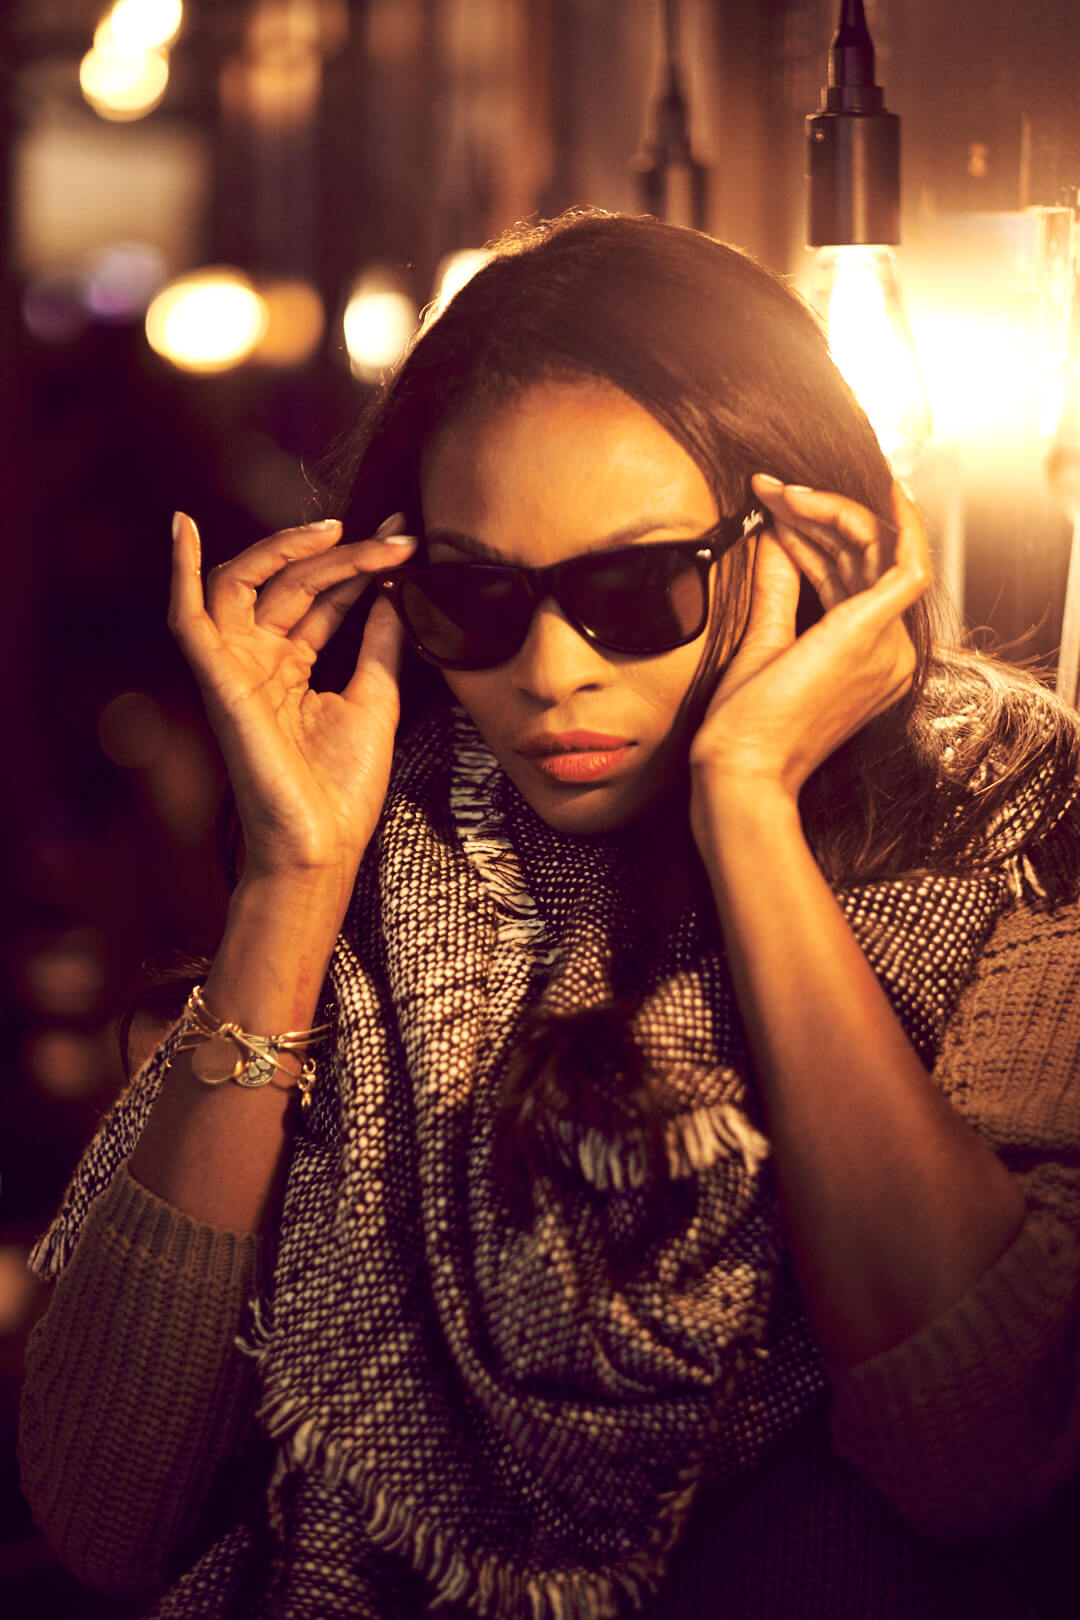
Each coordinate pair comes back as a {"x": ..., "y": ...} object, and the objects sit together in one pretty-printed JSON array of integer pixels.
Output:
[{"x": 511, "y": 1416}]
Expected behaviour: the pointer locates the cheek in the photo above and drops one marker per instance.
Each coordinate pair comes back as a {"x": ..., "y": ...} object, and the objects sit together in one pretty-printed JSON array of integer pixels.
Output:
[{"x": 482, "y": 695}]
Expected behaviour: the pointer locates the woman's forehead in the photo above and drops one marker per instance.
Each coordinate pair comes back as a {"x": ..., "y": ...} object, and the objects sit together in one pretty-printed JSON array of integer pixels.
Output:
[{"x": 563, "y": 464}]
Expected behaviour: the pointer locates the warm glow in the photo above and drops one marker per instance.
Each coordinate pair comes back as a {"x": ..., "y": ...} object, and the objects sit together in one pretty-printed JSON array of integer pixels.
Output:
[
  {"x": 990, "y": 301},
  {"x": 856, "y": 291},
  {"x": 141, "y": 25},
  {"x": 452, "y": 274},
  {"x": 379, "y": 322},
  {"x": 123, "y": 85},
  {"x": 207, "y": 321},
  {"x": 295, "y": 322}
]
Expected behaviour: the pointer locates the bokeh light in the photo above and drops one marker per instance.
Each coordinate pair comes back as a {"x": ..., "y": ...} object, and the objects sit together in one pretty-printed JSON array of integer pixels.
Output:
[
  {"x": 16, "y": 1288},
  {"x": 64, "y": 976},
  {"x": 54, "y": 305},
  {"x": 451, "y": 275},
  {"x": 64, "y": 1062},
  {"x": 379, "y": 323},
  {"x": 207, "y": 321},
  {"x": 295, "y": 322},
  {"x": 122, "y": 85},
  {"x": 121, "y": 279},
  {"x": 141, "y": 25},
  {"x": 132, "y": 730}
]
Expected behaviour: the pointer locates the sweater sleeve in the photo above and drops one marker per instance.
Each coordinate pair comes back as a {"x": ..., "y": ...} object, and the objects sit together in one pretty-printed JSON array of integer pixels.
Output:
[
  {"x": 970, "y": 1426},
  {"x": 135, "y": 1392}
]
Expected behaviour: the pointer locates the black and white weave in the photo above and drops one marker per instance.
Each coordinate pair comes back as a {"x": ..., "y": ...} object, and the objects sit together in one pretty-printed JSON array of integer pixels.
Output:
[{"x": 503, "y": 1418}]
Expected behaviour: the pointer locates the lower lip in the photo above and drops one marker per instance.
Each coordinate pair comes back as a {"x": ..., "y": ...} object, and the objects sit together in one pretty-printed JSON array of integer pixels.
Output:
[{"x": 586, "y": 766}]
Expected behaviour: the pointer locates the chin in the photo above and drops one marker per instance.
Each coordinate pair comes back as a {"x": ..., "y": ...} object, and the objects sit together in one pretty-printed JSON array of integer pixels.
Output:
[{"x": 585, "y": 810}]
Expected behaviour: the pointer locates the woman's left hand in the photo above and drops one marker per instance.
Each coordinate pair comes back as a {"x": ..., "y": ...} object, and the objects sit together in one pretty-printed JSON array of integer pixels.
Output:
[{"x": 785, "y": 703}]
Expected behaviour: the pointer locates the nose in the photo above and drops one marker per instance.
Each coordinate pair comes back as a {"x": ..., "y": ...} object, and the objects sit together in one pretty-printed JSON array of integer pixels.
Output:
[{"x": 555, "y": 660}]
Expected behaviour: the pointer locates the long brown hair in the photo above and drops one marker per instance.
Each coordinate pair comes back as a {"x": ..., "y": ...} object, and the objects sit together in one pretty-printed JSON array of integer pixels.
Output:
[{"x": 736, "y": 367}]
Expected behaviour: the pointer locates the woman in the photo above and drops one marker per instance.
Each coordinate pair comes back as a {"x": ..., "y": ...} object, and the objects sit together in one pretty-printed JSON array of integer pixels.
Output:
[{"x": 686, "y": 1214}]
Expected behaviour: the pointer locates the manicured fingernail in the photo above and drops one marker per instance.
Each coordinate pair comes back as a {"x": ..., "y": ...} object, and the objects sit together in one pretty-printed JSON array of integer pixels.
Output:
[
  {"x": 394, "y": 524},
  {"x": 767, "y": 481},
  {"x": 176, "y": 517},
  {"x": 798, "y": 489},
  {"x": 326, "y": 523},
  {"x": 397, "y": 539}
]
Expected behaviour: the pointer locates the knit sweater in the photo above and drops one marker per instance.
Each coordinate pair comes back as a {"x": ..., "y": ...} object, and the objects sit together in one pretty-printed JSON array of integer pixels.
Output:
[{"x": 916, "y": 1488}]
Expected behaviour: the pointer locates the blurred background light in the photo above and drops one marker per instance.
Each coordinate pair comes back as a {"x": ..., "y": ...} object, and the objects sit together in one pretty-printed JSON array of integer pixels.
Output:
[
  {"x": 54, "y": 305},
  {"x": 65, "y": 1062},
  {"x": 295, "y": 323},
  {"x": 379, "y": 322},
  {"x": 121, "y": 279},
  {"x": 992, "y": 314},
  {"x": 17, "y": 1287},
  {"x": 122, "y": 85},
  {"x": 141, "y": 25},
  {"x": 453, "y": 271},
  {"x": 132, "y": 730},
  {"x": 856, "y": 291},
  {"x": 64, "y": 975},
  {"x": 207, "y": 321}
]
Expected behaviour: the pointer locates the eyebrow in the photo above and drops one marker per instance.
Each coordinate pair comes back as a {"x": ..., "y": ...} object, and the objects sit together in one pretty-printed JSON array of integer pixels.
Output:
[{"x": 611, "y": 542}]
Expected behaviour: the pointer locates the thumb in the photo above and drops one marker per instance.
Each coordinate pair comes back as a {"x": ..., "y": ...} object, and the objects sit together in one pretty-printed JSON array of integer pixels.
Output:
[{"x": 774, "y": 597}]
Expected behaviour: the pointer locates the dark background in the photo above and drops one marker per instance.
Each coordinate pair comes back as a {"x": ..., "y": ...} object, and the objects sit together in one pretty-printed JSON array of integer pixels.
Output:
[{"x": 435, "y": 124}]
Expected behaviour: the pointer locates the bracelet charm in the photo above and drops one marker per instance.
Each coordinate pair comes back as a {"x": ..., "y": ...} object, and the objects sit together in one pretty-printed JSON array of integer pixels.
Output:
[{"x": 223, "y": 1051}]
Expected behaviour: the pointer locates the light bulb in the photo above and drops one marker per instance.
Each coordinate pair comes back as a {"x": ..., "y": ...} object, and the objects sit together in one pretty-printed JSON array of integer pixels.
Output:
[{"x": 856, "y": 291}]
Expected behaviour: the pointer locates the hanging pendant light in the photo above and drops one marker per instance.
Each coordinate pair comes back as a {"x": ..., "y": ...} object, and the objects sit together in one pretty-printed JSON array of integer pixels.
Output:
[
  {"x": 853, "y": 170},
  {"x": 672, "y": 184}
]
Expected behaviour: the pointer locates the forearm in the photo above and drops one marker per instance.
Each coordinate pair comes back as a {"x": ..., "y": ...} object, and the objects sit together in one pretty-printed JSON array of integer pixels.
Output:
[
  {"x": 893, "y": 1206},
  {"x": 217, "y": 1152}
]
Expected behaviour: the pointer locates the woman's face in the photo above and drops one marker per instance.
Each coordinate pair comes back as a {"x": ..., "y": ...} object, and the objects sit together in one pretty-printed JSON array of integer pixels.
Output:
[{"x": 561, "y": 469}]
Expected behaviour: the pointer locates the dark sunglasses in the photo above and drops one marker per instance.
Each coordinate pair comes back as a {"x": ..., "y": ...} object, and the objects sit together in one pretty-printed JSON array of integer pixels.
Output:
[{"x": 641, "y": 599}]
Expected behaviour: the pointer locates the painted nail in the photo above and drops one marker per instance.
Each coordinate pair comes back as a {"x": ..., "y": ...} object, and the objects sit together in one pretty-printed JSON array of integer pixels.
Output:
[
  {"x": 326, "y": 523},
  {"x": 397, "y": 540},
  {"x": 176, "y": 524},
  {"x": 392, "y": 525}
]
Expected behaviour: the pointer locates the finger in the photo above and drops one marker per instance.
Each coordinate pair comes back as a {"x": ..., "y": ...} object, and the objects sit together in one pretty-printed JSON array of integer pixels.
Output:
[
  {"x": 912, "y": 543},
  {"x": 328, "y": 611},
  {"x": 770, "y": 625},
  {"x": 818, "y": 567},
  {"x": 861, "y": 543},
  {"x": 290, "y": 595},
  {"x": 374, "y": 680},
  {"x": 187, "y": 617},
  {"x": 231, "y": 587}
]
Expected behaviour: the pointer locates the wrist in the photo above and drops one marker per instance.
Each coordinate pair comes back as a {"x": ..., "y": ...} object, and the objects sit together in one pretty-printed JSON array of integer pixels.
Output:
[
  {"x": 735, "y": 814},
  {"x": 310, "y": 894}
]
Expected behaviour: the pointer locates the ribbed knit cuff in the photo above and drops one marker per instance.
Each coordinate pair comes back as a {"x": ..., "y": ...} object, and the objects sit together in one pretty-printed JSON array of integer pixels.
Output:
[
  {"x": 150, "y": 1227},
  {"x": 135, "y": 1391},
  {"x": 967, "y": 1426}
]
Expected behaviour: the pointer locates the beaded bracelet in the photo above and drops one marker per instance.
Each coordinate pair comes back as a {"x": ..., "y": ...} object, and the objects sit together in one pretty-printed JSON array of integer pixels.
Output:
[{"x": 224, "y": 1051}]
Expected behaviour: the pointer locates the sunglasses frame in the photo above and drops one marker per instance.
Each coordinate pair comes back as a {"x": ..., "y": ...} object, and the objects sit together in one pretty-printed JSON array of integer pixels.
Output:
[{"x": 543, "y": 583}]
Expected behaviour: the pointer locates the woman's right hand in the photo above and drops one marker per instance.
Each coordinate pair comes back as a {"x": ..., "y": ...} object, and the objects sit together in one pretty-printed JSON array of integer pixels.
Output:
[{"x": 309, "y": 769}]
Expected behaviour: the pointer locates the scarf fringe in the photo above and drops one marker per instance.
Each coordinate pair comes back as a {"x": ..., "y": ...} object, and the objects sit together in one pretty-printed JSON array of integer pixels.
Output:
[
  {"x": 485, "y": 1585},
  {"x": 693, "y": 1142},
  {"x": 485, "y": 841},
  {"x": 1046, "y": 871}
]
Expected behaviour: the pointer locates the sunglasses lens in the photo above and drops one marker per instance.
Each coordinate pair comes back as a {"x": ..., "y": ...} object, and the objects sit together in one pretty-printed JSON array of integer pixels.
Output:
[
  {"x": 470, "y": 616},
  {"x": 643, "y": 599},
  {"x": 639, "y": 599}
]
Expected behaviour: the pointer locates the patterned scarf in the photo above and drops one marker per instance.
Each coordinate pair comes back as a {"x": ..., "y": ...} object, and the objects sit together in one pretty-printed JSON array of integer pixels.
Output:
[{"x": 512, "y": 1416}]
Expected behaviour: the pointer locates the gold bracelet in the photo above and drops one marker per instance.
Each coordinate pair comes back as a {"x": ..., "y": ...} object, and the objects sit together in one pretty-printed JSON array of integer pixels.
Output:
[{"x": 227, "y": 1052}]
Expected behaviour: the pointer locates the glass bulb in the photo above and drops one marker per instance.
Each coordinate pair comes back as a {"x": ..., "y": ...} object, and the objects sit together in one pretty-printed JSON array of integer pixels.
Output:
[{"x": 856, "y": 291}]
